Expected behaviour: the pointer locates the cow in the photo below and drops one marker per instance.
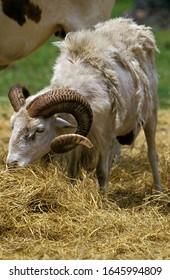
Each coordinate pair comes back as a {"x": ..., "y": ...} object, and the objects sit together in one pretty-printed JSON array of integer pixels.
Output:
[{"x": 26, "y": 24}]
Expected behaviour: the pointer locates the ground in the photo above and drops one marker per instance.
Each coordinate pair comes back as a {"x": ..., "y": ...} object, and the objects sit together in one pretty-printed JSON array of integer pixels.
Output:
[{"x": 42, "y": 216}]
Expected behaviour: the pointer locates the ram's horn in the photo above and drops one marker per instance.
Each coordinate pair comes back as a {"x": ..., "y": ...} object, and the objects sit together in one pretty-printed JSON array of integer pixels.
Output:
[
  {"x": 17, "y": 95},
  {"x": 63, "y": 143},
  {"x": 64, "y": 101}
]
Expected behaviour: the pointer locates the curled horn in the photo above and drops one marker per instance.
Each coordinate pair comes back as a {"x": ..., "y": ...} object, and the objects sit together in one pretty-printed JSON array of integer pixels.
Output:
[
  {"x": 64, "y": 101},
  {"x": 17, "y": 95},
  {"x": 63, "y": 143}
]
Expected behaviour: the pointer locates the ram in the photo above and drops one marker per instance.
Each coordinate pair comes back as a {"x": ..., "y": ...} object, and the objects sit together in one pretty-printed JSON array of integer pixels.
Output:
[{"x": 104, "y": 77}]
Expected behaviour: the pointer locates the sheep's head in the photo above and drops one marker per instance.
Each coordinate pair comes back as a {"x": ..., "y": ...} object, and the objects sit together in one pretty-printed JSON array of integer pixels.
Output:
[{"x": 36, "y": 128}]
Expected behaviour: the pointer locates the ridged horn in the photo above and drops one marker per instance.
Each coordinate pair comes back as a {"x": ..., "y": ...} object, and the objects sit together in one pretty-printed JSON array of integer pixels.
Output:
[
  {"x": 64, "y": 143},
  {"x": 17, "y": 95},
  {"x": 63, "y": 101}
]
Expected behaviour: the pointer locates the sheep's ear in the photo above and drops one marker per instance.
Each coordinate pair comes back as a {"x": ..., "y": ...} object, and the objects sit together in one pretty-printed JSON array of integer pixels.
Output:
[{"x": 63, "y": 123}]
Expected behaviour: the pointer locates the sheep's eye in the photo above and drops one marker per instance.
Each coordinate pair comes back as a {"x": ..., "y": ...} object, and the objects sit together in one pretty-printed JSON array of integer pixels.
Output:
[{"x": 40, "y": 129}]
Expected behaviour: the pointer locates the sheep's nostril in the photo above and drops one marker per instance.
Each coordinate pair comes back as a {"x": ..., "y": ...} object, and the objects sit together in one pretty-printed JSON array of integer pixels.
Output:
[
  {"x": 15, "y": 163},
  {"x": 11, "y": 165}
]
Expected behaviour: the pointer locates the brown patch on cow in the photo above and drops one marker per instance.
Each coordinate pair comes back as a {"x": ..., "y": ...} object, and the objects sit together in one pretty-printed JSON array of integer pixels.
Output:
[{"x": 19, "y": 9}]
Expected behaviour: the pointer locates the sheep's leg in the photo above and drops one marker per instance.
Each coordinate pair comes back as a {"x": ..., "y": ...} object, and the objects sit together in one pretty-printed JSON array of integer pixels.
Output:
[
  {"x": 115, "y": 152},
  {"x": 45, "y": 160},
  {"x": 73, "y": 166},
  {"x": 102, "y": 172},
  {"x": 150, "y": 132}
]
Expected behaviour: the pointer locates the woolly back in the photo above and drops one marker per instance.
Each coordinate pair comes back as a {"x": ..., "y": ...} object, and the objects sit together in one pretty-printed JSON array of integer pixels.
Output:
[{"x": 118, "y": 40}]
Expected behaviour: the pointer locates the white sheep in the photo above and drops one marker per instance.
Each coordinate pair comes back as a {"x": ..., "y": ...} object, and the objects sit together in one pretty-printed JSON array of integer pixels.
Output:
[{"x": 110, "y": 68}]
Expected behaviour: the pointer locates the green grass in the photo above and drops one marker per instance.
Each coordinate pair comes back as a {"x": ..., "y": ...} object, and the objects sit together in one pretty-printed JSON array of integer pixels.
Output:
[
  {"x": 121, "y": 6},
  {"x": 163, "y": 66},
  {"x": 35, "y": 71}
]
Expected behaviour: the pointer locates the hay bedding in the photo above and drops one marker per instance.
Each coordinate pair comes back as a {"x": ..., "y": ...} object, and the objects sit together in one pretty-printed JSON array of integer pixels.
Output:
[{"x": 43, "y": 217}]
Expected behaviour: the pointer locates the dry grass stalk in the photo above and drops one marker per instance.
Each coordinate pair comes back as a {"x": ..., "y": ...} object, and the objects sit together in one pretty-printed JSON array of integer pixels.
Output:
[{"x": 42, "y": 216}]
